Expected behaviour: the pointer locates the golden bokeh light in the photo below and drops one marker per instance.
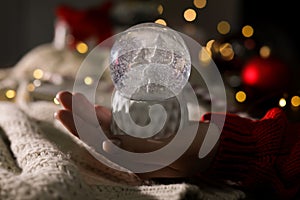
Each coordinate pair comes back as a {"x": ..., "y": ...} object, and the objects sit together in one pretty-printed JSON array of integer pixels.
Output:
[
  {"x": 200, "y": 3},
  {"x": 264, "y": 51},
  {"x": 30, "y": 87},
  {"x": 160, "y": 9},
  {"x": 189, "y": 15},
  {"x": 282, "y": 102},
  {"x": 223, "y": 27},
  {"x": 161, "y": 22},
  {"x": 209, "y": 45},
  {"x": 55, "y": 100},
  {"x": 216, "y": 46},
  {"x": 88, "y": 80},
  {"x": 205, "y": 56},
  {"x": 10, "y": 94},
  {"x": 226, "y": 51},
  {"x": 82, "y": 47},
  {"x": 38, "y": 74},
  {"x": 247, "y": 31},
  {"x": 295, "y": 101},
  {"x": 240, "y": 96}
]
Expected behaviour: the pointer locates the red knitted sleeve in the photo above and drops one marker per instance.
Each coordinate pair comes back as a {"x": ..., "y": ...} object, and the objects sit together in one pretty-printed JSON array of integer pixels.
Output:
[{"x": 248, "y": 152}]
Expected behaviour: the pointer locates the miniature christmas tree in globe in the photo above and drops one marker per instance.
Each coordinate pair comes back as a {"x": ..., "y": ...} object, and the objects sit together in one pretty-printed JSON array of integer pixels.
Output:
[{"x": 150, "y": 65}]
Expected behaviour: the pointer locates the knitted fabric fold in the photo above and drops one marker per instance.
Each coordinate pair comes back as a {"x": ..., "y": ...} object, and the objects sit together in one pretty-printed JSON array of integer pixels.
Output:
[
  {"x": 288, "y": 162},
  {"x": 39, "y": 159},
  {"x": 249, "y": 153}
]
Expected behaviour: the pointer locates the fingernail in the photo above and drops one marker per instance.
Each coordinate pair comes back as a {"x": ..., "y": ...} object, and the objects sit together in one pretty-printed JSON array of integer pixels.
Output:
[
  {"x": 110, "y": 146},
  {"x": 57, "y": 96},
  {"x": 55, "y": 115}
]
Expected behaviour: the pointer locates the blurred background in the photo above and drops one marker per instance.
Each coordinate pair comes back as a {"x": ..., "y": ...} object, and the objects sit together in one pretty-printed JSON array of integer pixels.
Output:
[
  {"x": 26, "y": 24},
  {"x": 254, "y": 43}
]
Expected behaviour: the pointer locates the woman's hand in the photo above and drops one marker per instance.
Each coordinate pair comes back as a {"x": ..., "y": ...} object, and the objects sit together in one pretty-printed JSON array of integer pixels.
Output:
[{"x": 186, "y": 166}]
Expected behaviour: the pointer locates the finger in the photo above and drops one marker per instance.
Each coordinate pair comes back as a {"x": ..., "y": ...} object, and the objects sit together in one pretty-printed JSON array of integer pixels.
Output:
[
  {"x": 194, "y": 148},
  {"x": 108, "y": 145},
  {"x": 103, "y": 116},
  {"x": 160, "y": 173},
  {"x": 116, "y": 146},
  {"x": 142, "y": 145},
  {"x": 163, "y": 171},
  {"x": 139, "y": 145},
  {"x": 188, "y": 163},
  {"x": 65, "y": 99},
  {"x": 66, "y": 118},
  {"x": 84, "y": 109}
]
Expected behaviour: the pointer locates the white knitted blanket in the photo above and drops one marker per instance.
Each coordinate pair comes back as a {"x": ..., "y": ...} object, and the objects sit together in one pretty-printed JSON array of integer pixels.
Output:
[{"x": 40, "y": 159}]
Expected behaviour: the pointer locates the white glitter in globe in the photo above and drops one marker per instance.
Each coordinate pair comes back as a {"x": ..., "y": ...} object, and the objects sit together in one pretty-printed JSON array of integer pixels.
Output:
[{"x": 149, "y": 61}]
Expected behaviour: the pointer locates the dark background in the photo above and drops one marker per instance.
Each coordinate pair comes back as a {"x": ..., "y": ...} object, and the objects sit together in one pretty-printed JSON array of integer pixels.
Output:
[
  {"x": 276, "y": 23},
  {"x": 28, "y": 24}
]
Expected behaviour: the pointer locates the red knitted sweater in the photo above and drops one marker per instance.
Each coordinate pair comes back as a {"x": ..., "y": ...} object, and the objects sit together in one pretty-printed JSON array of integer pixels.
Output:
[{"x": 259, "y": 155}]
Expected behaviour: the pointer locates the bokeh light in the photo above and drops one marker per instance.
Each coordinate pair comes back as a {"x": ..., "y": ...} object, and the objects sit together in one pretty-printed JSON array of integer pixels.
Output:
[
  {"x": 55, "y": 100},
  {"x": 38, "y": 74},
  {"x": 88, "y": 80},
  {"x": 209, "y": 45},
  {"x": 223, "y": 27},
  {"x": 200, "y": 3},
  {"x": 282, "y": 102},
  {"x": 249, "y": 43},
  {"x": 235, "y": 81},
  {"x": 264, "y": 51},
  {"x": 250, "y": 74},
  {"x": 189, "y": 15},
  {"x": 160, "y": 9},
  {"x": 240, "y": 96},
  {"x": 10, "y": 94},
  {"x": 295, "y": 101},
  {"x": 205, "y": 56},
  {"x": 37, "y": 83},
  {"x": 247, "y": 31},
  {"x": 226, "y": 51},
  {"x": 161, "y": 22},
  {"x": 30, "y": 87},
  {"x": 82, "y": 47}
]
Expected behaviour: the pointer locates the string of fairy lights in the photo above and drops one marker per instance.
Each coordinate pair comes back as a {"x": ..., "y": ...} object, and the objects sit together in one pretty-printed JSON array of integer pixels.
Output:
[{"x": 226, "y": 50}]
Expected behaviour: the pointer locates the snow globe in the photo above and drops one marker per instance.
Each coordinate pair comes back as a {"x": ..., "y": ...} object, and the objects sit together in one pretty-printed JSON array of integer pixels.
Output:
[{"x": 150, "y": 65}]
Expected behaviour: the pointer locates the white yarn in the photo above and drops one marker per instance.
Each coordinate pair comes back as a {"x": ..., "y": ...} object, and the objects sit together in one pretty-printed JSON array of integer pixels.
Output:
[
  {"x": 44, "y": 162},
  {"x": 41, "y": 160}
]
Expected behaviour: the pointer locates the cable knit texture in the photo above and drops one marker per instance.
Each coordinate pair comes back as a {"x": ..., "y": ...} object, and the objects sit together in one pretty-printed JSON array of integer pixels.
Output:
[
  {"x": 259, "y": 155},
  {"x": 39, "y": 159}
]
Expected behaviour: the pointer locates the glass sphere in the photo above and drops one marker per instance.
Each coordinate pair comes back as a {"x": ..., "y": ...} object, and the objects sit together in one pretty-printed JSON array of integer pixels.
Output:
[
  {"x": 142, "y": 119},
  {"x": 149, "y": 61}
]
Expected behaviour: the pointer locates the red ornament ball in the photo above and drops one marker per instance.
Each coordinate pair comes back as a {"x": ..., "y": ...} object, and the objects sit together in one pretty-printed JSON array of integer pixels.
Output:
[{"x": 265, "y": 73}]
